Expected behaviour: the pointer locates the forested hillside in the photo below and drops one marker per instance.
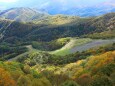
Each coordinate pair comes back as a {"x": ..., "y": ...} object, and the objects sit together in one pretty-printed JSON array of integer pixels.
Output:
[
  {"x": 38, "y": 49},
  {"x": 70, "y": 27},
  {"x": 93, "y": 71}
]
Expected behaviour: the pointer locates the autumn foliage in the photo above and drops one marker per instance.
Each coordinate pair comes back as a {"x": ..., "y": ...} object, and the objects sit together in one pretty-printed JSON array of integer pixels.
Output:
[{"x": 6, "y": 79}]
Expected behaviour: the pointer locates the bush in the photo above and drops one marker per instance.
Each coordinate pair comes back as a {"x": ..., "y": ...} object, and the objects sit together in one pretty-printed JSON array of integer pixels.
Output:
[
  {"x": 24, "y": 81},
  {"x": 101, "y": 81},
  {"x": 69, "y": 83}
]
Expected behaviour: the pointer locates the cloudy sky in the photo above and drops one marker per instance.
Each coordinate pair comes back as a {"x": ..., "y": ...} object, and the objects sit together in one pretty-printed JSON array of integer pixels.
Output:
[{"x": 65, "y": 4}]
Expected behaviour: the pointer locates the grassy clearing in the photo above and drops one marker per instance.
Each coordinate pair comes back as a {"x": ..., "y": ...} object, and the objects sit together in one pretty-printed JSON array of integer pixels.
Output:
[
  {"x": 73, "y": 43},
  {"x": 80, "y": 43},
  {"x": 63, "y": 51}
]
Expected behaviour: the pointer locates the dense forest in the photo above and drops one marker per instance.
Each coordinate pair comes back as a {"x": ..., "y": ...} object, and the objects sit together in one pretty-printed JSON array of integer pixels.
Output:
[{"x": 96, "y": 70}]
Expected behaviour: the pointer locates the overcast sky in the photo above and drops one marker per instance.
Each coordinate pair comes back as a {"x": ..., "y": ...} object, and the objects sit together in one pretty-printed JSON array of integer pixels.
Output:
[{"x": 5, "y": 4}]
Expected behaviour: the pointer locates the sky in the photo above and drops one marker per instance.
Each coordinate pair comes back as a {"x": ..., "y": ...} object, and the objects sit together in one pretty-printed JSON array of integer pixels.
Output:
[{"x": 65, "y": 4}]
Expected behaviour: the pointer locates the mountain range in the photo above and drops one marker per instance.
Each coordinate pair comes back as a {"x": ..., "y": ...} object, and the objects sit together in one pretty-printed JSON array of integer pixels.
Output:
[
  {"x": 22, "y": 14},
  {"x": 26, "y": 24},
  {"x": 54, "y": 46},
  {"x": 29, "y": 14},
  {"x": 58, "y": 26},
  {"x": 83, "y": 11}
]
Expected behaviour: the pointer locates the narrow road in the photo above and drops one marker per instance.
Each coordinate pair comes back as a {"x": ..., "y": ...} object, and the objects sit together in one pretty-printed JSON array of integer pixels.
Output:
[{"x": 30, "y": 49}]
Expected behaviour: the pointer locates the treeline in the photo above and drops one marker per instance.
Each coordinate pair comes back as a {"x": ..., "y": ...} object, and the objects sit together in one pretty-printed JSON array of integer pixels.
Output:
[{"x": 103, "y": 35}]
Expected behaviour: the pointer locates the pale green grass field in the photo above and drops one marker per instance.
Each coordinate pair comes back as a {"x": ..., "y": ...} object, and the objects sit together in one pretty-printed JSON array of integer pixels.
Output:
[
  {"x": 73, "y": 43},
  {"x": 67, "y": 49}
]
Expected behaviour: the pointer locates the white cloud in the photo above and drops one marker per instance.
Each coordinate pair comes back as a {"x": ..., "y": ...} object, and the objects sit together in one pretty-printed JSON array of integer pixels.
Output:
[{"x": 8, "y": 1}]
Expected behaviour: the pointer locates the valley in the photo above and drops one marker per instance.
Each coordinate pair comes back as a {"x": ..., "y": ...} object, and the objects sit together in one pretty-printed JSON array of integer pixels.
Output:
[
  {"x": 39, "y": 49},
  {"x": 73, "y": 46}
]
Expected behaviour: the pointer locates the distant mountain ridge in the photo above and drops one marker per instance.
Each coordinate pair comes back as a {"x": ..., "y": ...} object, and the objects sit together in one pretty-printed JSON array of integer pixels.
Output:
[
  {"x": 89, "y": 11},
  {"x": 82, "y": 11},
  {"x": 52, "y": 28},
  {"x": 29, "y": 14},
  {"x": 22, "y": 14}
]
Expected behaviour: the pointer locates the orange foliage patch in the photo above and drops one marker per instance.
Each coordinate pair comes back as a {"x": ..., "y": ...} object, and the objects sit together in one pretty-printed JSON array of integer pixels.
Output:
[{"x": 6, "y": 79}]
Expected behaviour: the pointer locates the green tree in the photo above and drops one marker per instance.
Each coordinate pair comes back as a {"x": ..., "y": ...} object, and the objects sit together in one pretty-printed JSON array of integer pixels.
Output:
[
  {"x": 41, "y": 82},
  {"x": 101, "y": 80},
  {"x": 24, "y": 81},
  {"x": 26, "y": 69},
  {"x": 69, "y": 83}
]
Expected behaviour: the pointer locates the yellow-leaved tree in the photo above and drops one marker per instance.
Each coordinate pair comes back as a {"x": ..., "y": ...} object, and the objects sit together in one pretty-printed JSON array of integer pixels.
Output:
[{"x": 6, "y": 79}]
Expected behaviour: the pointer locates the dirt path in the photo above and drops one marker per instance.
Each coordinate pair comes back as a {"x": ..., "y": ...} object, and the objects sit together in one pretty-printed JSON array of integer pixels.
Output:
[
  {"x": 30, "y": 49},
  {"x": 71, "y": 47}
]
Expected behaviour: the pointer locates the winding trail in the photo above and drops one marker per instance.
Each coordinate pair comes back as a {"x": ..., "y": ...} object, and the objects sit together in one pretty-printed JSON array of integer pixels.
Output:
[
  {"x": 30, "y": 49},
  {"x": 71, "y": 47}
]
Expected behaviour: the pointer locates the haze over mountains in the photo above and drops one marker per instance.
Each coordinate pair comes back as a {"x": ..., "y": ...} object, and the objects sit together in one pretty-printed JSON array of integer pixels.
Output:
[
  {"x": 22, "y": 14},
  {"x": 83, "y": 11},
  {"x": 58, "y": 7},
  {"x": 59, "y": 26},
  {"x": 29, "y": 14},
  {"x": 57, "y": 43}
]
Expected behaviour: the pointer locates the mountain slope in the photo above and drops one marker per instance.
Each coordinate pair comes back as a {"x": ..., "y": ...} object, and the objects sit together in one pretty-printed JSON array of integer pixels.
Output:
[
  {"x": 49, "y": 31},
  {"x": 89, "y": 11},
  {"x": 83, "y": 11},
  {"x": 95, "y": 10},
  {"x": 22, "y": 14}
]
